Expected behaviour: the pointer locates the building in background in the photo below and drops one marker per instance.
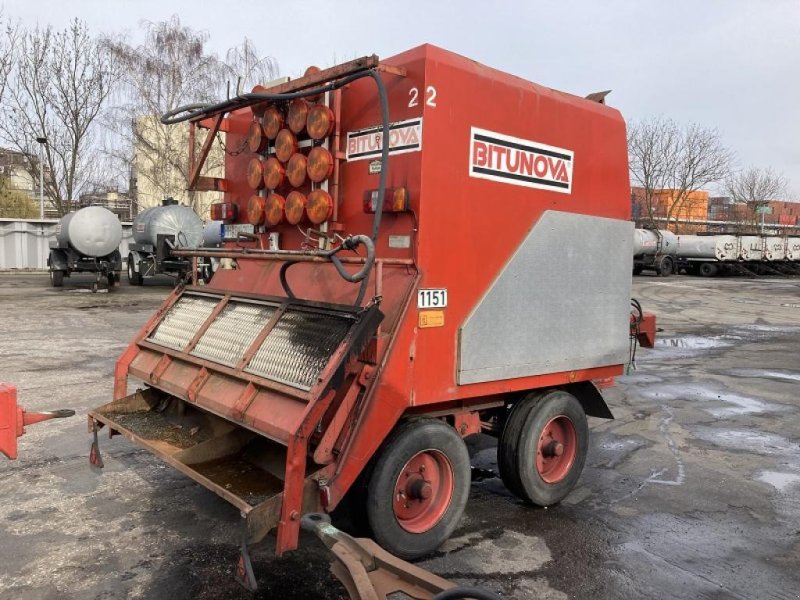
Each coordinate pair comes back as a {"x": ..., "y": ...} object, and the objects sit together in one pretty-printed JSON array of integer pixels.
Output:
[
  {"x": 686, "y": 215},
  {"x": 117, "y": 202},
  {"x": 160, "y": 166}
]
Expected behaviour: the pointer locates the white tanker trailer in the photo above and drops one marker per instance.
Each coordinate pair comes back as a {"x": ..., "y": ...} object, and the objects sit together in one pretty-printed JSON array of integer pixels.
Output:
[
  {"x": 87, "y": 241},
  {"x": 654, "y": 249},
  {"x": 157, "y": 232},
  {"x": 793, "y": 249}
]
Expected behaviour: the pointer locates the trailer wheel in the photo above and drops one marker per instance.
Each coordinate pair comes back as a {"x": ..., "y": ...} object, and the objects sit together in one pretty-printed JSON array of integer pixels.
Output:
[
  {"x": 666, "y": 266},
  {"x": 418, "y": 488},
  {"x": 543, "y": 447},
  {"x": 707, "y": 269},
  {"x": 57, "y": 278},
  {"x": 134, "y": 277}
]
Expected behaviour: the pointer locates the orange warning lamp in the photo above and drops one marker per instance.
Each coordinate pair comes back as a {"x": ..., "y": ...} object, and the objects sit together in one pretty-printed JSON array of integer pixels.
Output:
[
  {"x": 273, "y": 122},
  {"x": 296, "y": 170},
  {"x": 285, "y": 145},
  {"x": 273, "y": 173},
  {"x": 319, "y": 123},
  {"x": 256, "y": 212},
  {"x": 319, "y": 206},
  {"x": 295, "y": 207},
  {"x": 256, "y": 140},
  {"x": 297, "y": 115},
  {"x": 255, "y": 174},
  {"x": 312, "y": 70},
  {"x": 274, "y": 209},
  {"x": 319, "y": 164}
]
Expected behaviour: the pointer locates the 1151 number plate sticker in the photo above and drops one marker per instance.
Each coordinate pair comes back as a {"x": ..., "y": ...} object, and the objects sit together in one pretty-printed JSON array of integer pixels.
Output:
[{"x": 432, "y": 298}]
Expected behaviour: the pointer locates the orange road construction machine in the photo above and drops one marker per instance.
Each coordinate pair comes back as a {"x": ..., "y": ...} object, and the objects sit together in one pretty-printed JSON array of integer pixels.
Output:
[{"x": 416, "y": 250}]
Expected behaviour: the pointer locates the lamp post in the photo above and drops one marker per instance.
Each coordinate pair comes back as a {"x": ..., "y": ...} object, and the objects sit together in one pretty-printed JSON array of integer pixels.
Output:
[{"x": 42, "y": 141}]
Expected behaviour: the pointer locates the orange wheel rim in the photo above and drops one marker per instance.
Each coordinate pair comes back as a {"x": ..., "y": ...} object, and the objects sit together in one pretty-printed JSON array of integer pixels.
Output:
[
  {"x": 423, "y": 491},
  {"x": 556, "y": 449}
]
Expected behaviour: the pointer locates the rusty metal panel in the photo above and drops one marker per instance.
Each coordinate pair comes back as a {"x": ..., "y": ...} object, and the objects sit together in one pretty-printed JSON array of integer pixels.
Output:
[
  {"x": 232, "y": 332},
  {"x": 183, "y": 320},
  {"x": 299, "y": 347}
]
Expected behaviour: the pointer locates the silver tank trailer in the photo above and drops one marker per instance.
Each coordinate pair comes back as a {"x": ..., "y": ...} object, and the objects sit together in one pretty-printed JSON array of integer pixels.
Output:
[
  {"x": 646, "y": 242},
  {"x": 181, "y": 222},
  {"x": 92, "y": 231},
  {"x": 793, "y": 248},
  {"x": 774, "y": 248},
  {"x": 751, "y": 247},
  {"x": 710, "y": 247}
]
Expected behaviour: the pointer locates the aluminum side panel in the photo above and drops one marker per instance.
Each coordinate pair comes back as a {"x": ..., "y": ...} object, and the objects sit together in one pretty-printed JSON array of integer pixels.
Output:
[{"x": 561, "y": 303}]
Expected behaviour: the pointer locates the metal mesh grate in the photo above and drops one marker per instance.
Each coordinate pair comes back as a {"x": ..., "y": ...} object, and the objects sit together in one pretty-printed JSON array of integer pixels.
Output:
[
  {"x": 182, "y": 321},
  {"x": 299, "y": 347},
  {"x": 232, "y": 332}
]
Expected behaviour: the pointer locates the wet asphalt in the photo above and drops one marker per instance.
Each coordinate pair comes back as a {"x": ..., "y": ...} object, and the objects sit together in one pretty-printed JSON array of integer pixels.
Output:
[{"x": 693, "y": 491}]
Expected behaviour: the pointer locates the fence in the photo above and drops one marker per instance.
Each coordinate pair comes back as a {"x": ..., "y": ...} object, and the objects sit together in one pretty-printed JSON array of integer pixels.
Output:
[{"x": 25, "y": 243}]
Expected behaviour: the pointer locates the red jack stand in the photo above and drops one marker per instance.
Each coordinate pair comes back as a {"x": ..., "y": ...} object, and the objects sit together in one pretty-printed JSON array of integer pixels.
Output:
[{"x": 13, "y": 419}]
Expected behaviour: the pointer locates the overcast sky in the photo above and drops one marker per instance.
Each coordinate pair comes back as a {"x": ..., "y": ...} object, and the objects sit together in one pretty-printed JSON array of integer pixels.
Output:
[{"x": 733, "y": 65}]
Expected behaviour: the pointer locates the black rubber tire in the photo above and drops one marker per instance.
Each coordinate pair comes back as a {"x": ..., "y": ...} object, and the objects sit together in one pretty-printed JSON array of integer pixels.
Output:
[
  {"x": 516, "y": 449},
  {"x": 408, "y": 439},
  {"x": 134, "y": 277},
  {"x": 666, "y": 266},
  {"x": 707, "y": 269},
  {"x": 111, "y": 278},
  {"x": 637, "y": 269},
  {"x": 57, "y": 278}
]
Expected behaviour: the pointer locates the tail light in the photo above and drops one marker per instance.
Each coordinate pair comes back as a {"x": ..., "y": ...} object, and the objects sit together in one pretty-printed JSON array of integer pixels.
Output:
[
  {"x": 273, "y": 122},
  {"x": 255, "y": 174},
  {"x": 274, "y": 209},
  {"x": 394, "y": 200},
  {"x": 256, "y": 212},
  {"x": 256, "y": 140},
  {"x": 224, "y": 211},
  {"x": 285, "y": 145},
  {"x": 296, "y": 170},
  {"x": 295, "y": 207},
  {"x": 320, "y": 164},
  {"x": 273, "y": 173},
  {"x": 319, "y": 123},
  {"x": 319, "y": 206},
  {"x": 297, "y": 115}
]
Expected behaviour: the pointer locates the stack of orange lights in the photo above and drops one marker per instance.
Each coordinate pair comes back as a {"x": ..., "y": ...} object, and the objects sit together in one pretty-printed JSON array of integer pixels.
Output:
[{"x": 275, "y": 135}]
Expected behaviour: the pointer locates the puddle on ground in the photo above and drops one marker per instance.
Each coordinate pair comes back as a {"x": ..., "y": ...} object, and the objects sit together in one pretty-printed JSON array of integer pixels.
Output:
[
  {"x": 692, "y": 342},
  {"x": 765, "y": 374},
  {"x": 733, "y": 404},
  {"x": 780, "y": 481},
  {"x": 757, "y": 442}
]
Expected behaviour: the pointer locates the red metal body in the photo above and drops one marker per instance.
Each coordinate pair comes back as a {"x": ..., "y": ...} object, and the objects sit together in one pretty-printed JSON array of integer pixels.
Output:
[{"x": 458, "y": 233}]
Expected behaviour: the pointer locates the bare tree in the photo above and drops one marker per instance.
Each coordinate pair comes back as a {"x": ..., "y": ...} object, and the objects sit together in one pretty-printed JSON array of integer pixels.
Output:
[
  {"x": 670, "y": 162},
  {"x": 755, "y": 187},
  {"x": 245, "y": 68},
  {"x": 57, "y": 90},
  {"x": 8, "y": 38},
  {"x": 171, "y": 68}
]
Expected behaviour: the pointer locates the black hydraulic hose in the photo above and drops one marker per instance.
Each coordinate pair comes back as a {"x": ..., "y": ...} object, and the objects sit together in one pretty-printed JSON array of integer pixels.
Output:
[
  {"x": 466, "y": 593},
  {"x": 349, "y": 243},
  {"x": 197, "y": 110},
  {"x": 376, "y": 222}
]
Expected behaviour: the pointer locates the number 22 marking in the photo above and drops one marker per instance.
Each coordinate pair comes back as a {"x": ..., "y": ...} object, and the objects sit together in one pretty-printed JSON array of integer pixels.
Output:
[{"x": 430, "y": 100}]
